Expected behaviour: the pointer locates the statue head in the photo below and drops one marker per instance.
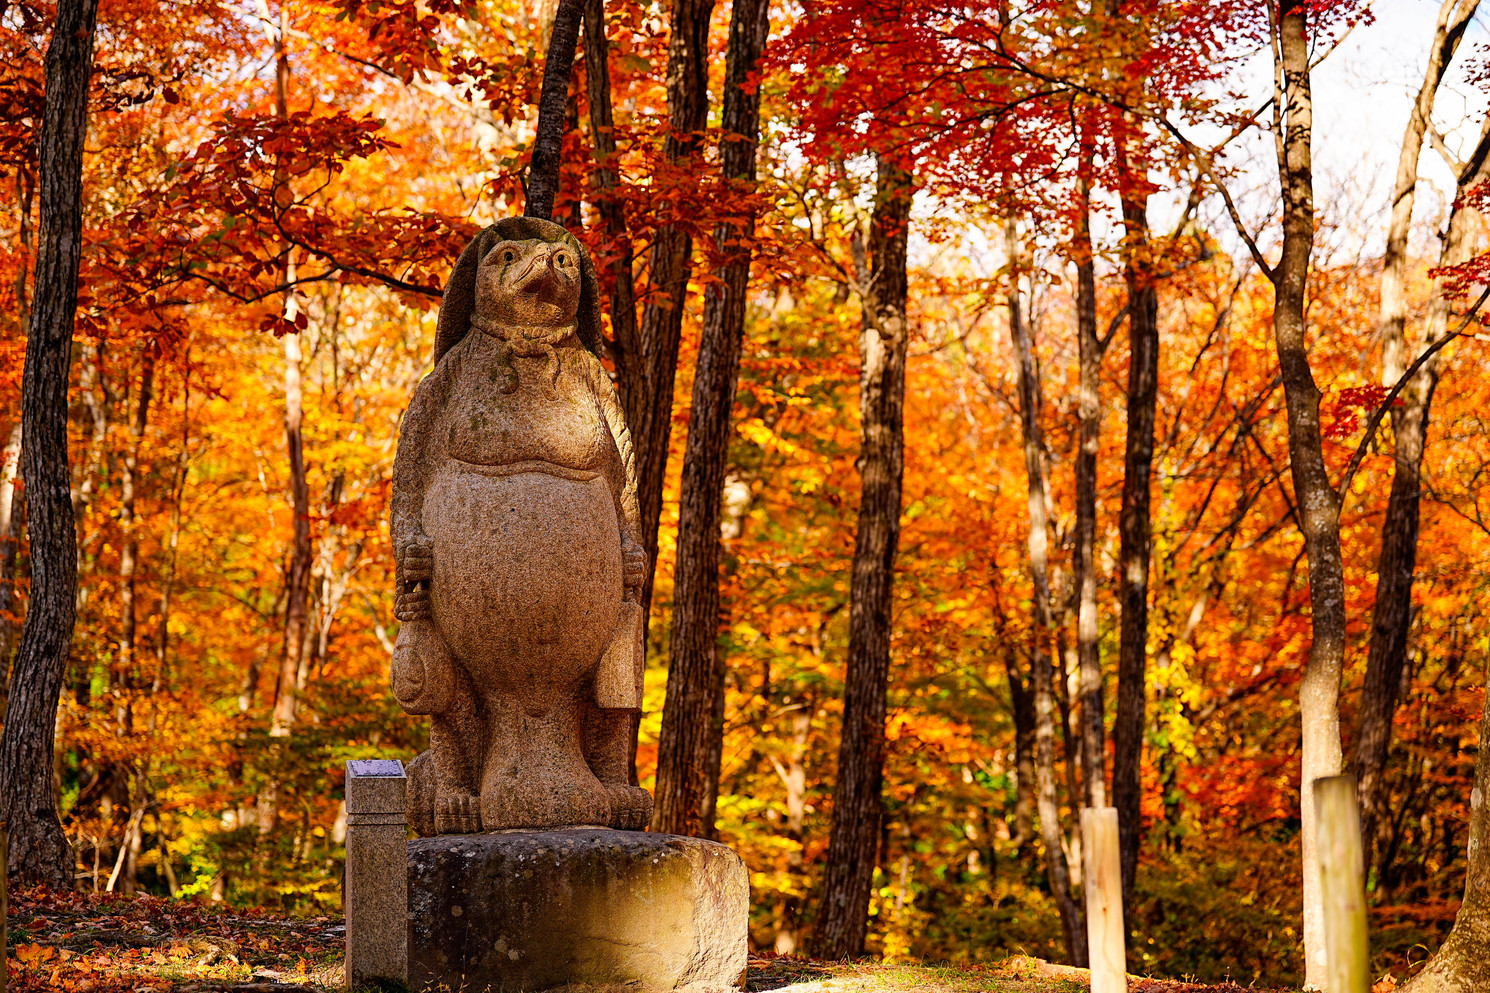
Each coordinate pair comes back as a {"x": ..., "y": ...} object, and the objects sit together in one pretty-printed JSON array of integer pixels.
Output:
[
  {"x": 529, "y": 287},
  {"x": 547, "y": 287}
]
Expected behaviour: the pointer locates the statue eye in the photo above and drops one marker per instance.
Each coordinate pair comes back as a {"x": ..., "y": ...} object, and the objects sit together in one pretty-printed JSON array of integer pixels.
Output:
[
  {"x": 508, "y": 255},
  {"x": 562, "y": 259}
]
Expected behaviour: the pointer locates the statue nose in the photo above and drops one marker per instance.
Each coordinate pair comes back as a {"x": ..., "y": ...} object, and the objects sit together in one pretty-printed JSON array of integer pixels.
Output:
[{"x": 542, "y": 270}]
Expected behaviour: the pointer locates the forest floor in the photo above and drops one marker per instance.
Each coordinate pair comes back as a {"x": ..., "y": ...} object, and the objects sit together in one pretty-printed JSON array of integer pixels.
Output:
[{"x": 106, "y": 943}]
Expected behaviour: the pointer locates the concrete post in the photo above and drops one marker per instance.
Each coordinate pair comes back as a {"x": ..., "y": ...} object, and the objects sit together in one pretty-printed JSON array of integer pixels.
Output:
[
  {"x": 1102, "y": 875},
  {"x": 377, "y": 890},
  {"x": 1342, "y": 885}
]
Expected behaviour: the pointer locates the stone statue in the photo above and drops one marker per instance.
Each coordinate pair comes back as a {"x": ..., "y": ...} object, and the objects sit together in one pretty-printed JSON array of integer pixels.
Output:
[{"x": 516, "y": 530}]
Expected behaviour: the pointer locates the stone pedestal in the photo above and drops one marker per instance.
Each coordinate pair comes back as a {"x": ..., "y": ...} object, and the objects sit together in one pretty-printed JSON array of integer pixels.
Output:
[{"x": 535, "y": 910}]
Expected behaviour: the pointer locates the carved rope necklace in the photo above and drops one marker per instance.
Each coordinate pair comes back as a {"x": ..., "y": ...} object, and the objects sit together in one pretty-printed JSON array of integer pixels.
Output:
[{"x": 524, "y": 347}]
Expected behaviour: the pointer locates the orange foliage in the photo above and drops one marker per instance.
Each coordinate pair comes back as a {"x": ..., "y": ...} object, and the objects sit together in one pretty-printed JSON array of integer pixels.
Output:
[{"x": 410, "y": 126}]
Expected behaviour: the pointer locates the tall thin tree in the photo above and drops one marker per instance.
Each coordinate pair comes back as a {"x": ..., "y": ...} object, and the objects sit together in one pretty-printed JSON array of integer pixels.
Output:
[
  {"x": 1042, "y": 667},
  {"x": 853, "y": 845},
  {"x": 1134, "y": 537},
  {"x": 39, "y": 851},
  {"x": 553, "y": 98},
  {"x": 1399, "y": 529},
  {"x": 297, "y": 578},
  {"x": 690, "y": 745},
  {"x": 1315, "y": 500},
  {"x": 1089, "y": 414},
  {"x": 605, "y": 178},
  {"x": 1462, "y": 963},
  {"x": 1316, "y": 504}
]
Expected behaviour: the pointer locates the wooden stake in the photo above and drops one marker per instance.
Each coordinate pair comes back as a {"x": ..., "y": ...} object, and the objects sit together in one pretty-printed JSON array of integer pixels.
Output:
[
  {"x": 1102, "y": 873},
  {"x": 1342, "y": 885}
]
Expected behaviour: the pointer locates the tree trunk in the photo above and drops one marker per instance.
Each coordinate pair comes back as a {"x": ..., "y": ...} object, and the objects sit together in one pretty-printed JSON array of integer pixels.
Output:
[
  {"x": 689, "y": 748},
  {"x": 90, "y": 380},
  {"x": 1400, "y": 527},
  {"x": 297, "y": 592},
  {"x": 648, "y": 399},
  {"x": 39, "y": 852},
  {"x": 794, "y": 778},
  {"x": 297, "y": 584},
  {"x": 168, "y": 579},
  {"x": 1462, "y": 965},
  {"x": 129, "y": 554},
  {"x": 1062, "y": 658},
  {"x": 854, "y": 842},
  {"x": 1089, "y": 414},
  {"x": 134, "y": 834},
  {"x": 1022, "y": 704},
  {"x": 548, "y": 143},
  {"x": 1133, "y": 526},
  {"x": 1399, "y": 530},
  {"x": 25, "y": 197},
  {"x": 1042, "y": 671},
  {"x": 616, "y": 265},
  {"x": 1318, "y": 509}
]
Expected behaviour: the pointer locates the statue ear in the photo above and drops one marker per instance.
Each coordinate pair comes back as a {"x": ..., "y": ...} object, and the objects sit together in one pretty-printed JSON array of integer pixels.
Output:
[{"x": 454, "y": 322}]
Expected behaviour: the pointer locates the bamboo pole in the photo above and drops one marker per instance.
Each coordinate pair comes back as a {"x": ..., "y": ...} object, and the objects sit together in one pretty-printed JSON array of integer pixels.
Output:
[
  {"x": 1342, "y": 885},
  {"x": 1103, "y": 877}
]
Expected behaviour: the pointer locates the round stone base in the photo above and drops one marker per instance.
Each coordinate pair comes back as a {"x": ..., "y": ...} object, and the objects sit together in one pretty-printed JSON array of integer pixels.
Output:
[{"x": 534, "y": 910}]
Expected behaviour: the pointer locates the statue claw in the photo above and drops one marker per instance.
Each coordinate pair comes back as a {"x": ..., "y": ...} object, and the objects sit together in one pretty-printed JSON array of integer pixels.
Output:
[
  {"x": 631, "y": 807},
  {"x": 457, "y": 813}
]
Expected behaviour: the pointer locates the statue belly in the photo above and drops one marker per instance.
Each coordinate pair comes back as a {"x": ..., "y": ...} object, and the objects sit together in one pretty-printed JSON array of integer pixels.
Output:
[{"x": 527, "y": 577}]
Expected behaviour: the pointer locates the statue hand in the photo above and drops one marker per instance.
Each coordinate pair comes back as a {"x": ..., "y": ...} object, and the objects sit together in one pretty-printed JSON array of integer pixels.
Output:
[
  {"x": 633, "y": 564},
  {"x": 416, "y": 560},
  {"x": 416, "y": 566}
]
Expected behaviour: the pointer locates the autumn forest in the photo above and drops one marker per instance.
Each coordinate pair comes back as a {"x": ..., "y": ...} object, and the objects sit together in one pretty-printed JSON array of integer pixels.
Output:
[{"x": 1024, "y": 423}]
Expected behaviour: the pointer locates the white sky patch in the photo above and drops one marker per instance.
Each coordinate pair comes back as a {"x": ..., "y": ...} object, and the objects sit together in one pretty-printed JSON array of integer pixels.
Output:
[{"x": 1363, "y": 92}]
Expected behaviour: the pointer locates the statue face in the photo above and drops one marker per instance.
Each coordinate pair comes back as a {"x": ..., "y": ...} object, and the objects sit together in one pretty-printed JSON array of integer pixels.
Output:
[{"x": 529, "y": 284}]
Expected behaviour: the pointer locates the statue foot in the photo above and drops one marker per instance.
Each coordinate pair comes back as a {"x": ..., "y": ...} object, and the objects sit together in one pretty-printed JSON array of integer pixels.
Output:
[
  {"x": 457, "y": 813},
  {"x": 631, "y": 807}
]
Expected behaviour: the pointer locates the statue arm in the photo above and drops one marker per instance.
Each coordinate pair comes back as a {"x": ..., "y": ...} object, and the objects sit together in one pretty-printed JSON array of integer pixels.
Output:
[
  {"x": 413, "y": 465},
  {"x": 615, "y": 420},
  {"x": 628, "y": 509}
]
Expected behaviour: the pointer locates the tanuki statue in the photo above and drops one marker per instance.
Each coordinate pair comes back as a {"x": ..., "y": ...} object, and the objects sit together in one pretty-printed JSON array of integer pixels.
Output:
[{"x": 516, "y": 530}]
